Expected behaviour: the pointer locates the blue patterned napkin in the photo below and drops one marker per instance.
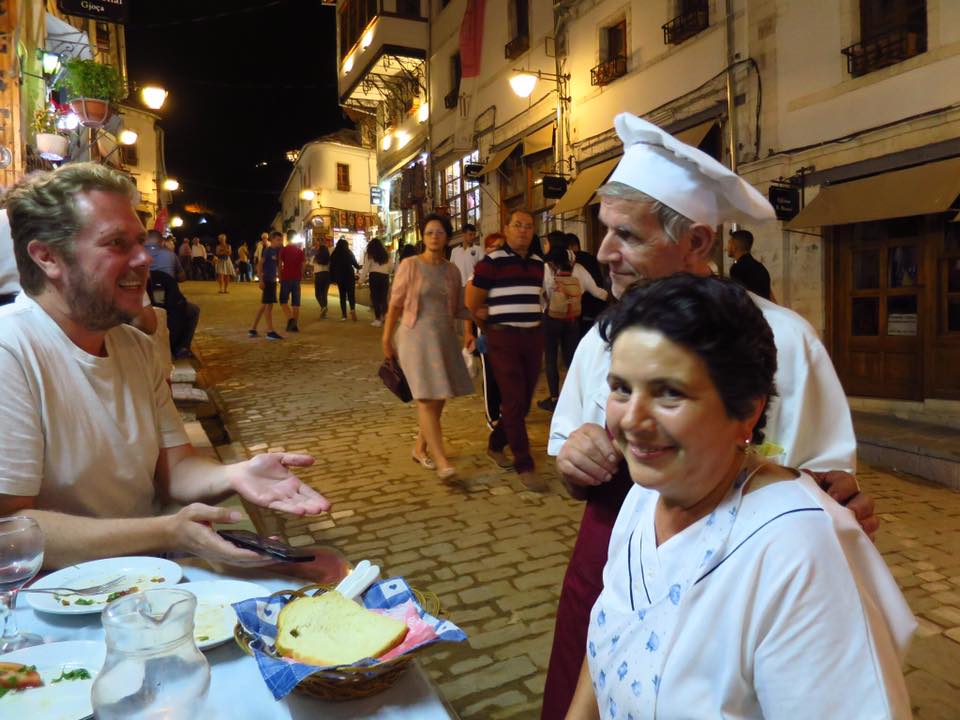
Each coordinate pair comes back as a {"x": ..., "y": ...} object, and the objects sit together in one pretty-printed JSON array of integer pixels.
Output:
[{"x": 258, "y": 616}]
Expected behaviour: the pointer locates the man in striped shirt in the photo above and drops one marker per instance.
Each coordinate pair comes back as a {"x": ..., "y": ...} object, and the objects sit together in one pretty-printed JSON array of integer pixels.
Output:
[{"x": 506, "y": 289}]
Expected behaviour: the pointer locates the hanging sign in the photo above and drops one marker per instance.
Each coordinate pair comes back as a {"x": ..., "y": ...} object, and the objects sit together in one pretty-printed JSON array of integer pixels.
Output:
[
  {"x": 785, "y": 201},
  {"x": 376, "y": 195},
  {"x": 114, "y": 11}
]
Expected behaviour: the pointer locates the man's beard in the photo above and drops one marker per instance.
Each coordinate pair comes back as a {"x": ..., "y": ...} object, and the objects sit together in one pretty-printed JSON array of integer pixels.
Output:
[{"x": 91, "y": 308}]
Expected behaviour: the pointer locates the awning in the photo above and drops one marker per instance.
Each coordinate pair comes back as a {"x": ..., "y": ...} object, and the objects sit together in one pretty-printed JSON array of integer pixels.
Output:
[
  {"x": 584, "y": 186},
  {"x": 64, "y": 39},
  {"x": 920, "y": 190},
  {"x": 695, "y": 135},
  {"x": 538, "y": 140},
  {"x": 498, "y": 158}
]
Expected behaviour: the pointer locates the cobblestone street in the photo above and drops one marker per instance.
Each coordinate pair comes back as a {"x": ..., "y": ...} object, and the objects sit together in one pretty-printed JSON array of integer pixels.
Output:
[{"x": 493, "y": 552}]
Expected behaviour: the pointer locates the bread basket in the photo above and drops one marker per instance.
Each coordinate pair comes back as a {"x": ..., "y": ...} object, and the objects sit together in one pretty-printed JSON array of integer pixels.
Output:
[{"x": 347, "y": 682}]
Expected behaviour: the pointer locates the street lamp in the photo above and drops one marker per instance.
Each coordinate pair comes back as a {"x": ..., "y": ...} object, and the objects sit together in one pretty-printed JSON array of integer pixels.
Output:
[
  {"x": 127, "y": 136},
  {"x": 171, "y": 185},
  {"x": 153, "y": 96},
  {"x": 524, "y": 81},
  {"x": 307, "y": 195},
  {"x": 176, "y": 221}
]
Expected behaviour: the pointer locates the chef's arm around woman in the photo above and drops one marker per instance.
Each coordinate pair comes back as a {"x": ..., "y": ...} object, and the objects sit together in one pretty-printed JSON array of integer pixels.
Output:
[{"x": 584, "y": 703}]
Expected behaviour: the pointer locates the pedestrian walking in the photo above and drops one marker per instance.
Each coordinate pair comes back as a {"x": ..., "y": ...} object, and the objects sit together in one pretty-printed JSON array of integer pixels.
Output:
[
  {"x": 506, "y": 286},
  {"x": 292, "y": 261},
  {"x": 321, "y": 274},
  {"x": 223, "y": 265},
  {"x": 198, "y": 259},
  {"x": 343, "y": 267},
  {"x": 243, "y": 263},
  {"x": 185, "y": 256},
  {"x": 376, "y": 270},
  {"x": 746, "y": 269},
  {"x": 467, "y": 254},
  {"x": 267, "y": 272},
  {"x": 426, "y": 299},
  {"x": 564, "y": 284}
]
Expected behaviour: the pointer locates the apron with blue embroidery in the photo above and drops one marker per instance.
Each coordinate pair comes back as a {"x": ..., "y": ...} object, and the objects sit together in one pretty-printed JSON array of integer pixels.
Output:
[{"x": 628, "y": 644}]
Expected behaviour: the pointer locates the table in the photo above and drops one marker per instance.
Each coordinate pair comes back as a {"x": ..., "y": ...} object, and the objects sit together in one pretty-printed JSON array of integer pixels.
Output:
[{"x": 237, "y": 692}]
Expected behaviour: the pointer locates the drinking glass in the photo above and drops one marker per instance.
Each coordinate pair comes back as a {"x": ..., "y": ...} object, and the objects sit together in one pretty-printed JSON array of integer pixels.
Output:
[{"x": 21, "y": 555}]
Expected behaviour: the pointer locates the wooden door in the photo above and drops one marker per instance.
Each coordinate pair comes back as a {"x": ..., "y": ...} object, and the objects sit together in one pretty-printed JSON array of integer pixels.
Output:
[
  {"x": 881, "y": 281},
  {"x": 943, "y": 362}
]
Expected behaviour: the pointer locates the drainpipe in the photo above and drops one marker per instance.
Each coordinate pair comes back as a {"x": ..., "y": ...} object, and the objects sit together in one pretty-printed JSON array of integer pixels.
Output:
[{"x": 731, "y": 111}]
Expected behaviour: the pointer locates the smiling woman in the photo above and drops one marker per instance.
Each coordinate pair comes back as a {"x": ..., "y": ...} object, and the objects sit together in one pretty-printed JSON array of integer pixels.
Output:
[{"x": 730, "y": 582}]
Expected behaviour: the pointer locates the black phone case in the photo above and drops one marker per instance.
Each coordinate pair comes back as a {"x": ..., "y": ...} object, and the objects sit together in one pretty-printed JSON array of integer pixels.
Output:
[{"x": 273, "y": 548}]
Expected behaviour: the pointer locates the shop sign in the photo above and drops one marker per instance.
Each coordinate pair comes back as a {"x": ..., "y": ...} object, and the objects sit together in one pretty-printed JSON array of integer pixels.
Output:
[
  {"x": 376, "y": 195},
  {"x": 902, "y": 324},
  {"x": 785, "y": 201},
  {"x": 114, "y": 11}
]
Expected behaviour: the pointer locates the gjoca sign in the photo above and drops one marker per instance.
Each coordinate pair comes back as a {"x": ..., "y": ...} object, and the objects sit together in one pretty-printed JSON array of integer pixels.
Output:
[{"x": 114, "y": 11}]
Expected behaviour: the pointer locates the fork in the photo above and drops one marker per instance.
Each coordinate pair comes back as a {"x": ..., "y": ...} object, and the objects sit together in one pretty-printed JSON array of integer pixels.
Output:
[{"x": 91, "y": 590}]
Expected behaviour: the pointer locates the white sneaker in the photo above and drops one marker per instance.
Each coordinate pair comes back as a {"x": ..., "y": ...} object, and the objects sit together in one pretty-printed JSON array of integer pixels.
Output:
[{"x": 377, "y": 323}]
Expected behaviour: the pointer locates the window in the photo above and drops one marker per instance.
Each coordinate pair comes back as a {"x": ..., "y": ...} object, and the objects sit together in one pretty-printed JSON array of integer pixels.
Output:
[
  {"x": 692, "y": 17},
  {"x": 343, "y": 177},
  {"x": 408, "y": 8},
  {"x": 103, "y": 37},
  {"x": 451, "y": 99},
  {"x": 613, "y": 54},
  {"x": 354, "y": 16},
  {"x": 128, "y": 155},
  {"x": 519, "y": 19},
  {"x": 461, "y": 195},
  {"x": 891, "y": 31}
]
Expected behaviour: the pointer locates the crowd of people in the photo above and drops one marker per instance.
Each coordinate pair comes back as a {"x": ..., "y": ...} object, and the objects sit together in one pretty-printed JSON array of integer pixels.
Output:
[{"x": 723, "y": 564}]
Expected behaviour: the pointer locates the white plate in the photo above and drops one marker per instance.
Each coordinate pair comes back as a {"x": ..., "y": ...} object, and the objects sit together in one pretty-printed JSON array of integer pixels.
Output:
[
  {"x": 140, "y": 572},
  {"x": 215, "y": 619},
  {"x": 65, "y": 700}
]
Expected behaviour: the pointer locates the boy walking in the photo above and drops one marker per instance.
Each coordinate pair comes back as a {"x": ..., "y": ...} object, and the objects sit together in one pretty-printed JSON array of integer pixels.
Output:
[
  {"x": 292, "y": 260},
  {"x": 267, "y": 272}
]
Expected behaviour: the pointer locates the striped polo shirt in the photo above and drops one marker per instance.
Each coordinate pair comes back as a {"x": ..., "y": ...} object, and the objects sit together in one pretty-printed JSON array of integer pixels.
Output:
[{"x": 513, "y": 286}]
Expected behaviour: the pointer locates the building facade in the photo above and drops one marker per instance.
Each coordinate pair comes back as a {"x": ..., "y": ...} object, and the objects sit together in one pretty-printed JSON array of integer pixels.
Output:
[{"x": 328, "y": 193}]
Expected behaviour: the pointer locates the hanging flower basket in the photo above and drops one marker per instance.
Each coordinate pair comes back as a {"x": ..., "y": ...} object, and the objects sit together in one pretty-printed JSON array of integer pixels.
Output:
[
  {"x": 93, "y": 113},
  {"x": 52, "y": 146}
]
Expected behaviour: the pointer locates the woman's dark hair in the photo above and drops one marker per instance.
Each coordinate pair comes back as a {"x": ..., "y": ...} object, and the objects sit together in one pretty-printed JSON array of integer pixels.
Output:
[
  {"x": 377, "y": 252},
  {"x": 442, "y": 219},
  {"x": 408, "y": 250},
  {"x": 323, "y": 254},
  {"x": 714, "y": 318},
  {"x": 558, "y": 255}
]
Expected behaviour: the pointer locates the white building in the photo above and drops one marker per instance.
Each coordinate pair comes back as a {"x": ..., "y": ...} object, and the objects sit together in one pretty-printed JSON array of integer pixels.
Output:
[
  {"x": 328, "y": 192},
  {"x": 143, "y": 160}
]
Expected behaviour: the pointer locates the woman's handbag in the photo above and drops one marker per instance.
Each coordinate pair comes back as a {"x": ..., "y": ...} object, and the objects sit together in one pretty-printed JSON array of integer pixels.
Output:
[{"x": 394, "y": 379}]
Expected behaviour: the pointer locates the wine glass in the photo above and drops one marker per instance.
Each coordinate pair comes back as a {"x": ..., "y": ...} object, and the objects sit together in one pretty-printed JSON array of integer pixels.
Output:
[{"x": 21, "y": 555}]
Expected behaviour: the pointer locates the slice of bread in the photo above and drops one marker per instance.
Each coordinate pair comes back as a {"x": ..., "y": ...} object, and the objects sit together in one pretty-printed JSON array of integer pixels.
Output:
[{"x": 331, "y": 630}]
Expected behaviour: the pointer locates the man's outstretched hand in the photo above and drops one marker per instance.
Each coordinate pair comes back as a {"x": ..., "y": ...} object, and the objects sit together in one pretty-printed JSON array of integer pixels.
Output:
[{"x": 266, "y": 480}]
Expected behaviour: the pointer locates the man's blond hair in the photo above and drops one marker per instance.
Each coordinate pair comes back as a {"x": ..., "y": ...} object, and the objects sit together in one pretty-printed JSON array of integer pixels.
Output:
[{"x": 43, "y": 207}]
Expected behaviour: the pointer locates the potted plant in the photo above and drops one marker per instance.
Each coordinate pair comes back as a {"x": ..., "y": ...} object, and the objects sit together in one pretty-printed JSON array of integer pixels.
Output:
[
  {"x": 51, "y": 144},
  {"x": 91, "y": 87}
]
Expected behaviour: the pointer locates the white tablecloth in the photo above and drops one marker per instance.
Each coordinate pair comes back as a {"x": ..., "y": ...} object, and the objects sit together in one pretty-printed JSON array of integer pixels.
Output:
[{"x": 237, "y": 692}]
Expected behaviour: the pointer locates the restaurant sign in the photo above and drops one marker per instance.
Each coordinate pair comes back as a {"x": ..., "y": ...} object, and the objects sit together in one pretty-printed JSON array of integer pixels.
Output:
[
  {"x": 785, "y": 201},
  {"x": 376, "y": 195},
  {"x": 114, "y": 11}
]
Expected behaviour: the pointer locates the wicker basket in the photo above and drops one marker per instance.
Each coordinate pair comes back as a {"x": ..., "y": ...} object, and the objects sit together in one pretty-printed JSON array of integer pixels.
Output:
[{"x": 347, "y": 683}]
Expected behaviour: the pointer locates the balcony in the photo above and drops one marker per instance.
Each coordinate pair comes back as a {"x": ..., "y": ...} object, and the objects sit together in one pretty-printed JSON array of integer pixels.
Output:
[
  {"x": 608, "y": 71},
  {"x": 516, "y": 47},
  {"x": 884, "y": 50},
  {"x": 685, "y": 26},
  {"x": 382, "y": 50}
]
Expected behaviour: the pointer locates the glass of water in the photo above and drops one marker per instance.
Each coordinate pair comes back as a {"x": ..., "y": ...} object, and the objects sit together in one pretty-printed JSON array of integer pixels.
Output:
[{"x": 21, "y": 555}]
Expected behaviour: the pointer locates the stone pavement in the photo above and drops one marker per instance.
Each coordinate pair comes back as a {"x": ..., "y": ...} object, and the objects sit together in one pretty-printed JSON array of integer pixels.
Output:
[{"x": 493, "y": 552}]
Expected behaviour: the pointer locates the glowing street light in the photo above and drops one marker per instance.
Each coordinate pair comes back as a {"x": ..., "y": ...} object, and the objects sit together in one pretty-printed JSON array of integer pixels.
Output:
[
  {"x": 307, "y": 195},
  {"x": 423, "y": 113},
  {"x": 176, "y": 221},
  {"x": 523, "y": 83},
  {"x": 171, "y": 184},
  {"x": 153, "y": 96},
  {"x": 387, "y": 141},
  {"x": 128, "y": 137}
]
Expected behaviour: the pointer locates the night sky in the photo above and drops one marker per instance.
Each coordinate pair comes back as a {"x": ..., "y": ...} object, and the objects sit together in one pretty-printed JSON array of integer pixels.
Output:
[{"x": 248, "y": 80}]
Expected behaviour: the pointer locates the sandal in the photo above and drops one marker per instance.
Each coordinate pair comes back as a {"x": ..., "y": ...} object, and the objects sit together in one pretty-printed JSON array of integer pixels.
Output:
[
  {"x": 448, "y": 473},
  {"x": 426, "y": 461}
]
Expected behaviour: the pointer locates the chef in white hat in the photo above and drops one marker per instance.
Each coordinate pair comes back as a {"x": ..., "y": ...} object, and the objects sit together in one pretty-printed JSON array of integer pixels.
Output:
[{"x": 661, "y": 208}]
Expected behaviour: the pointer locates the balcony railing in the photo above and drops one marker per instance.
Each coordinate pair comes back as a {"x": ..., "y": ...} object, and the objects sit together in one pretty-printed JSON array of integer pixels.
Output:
[
  {"x": 452, "y": 99},
  {"x": 881, "y": 51},
  {"x": 516, "y": 47},
  {"x": 609, "y": 70},
  {"x": 683, "y": 27}
]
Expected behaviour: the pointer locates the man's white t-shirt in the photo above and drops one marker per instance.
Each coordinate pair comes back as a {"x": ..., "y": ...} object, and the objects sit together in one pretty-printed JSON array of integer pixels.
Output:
[
  {"x": 9, "y": 275},
  {"x": 808, "y": 423},
  {"x": 466, "y": 260},
  {"x": 79, "y": 432}
]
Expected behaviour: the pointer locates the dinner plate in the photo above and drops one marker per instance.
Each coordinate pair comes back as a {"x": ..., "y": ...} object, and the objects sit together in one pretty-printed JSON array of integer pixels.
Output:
[
  {"x": 64, "y": 700},
  {"x": 142, "y": 573},
  {"x": 215, "y": 619}
]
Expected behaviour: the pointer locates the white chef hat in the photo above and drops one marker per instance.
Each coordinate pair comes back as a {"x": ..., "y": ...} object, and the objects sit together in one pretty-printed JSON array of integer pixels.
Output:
[{"x": 684, "y": 178}]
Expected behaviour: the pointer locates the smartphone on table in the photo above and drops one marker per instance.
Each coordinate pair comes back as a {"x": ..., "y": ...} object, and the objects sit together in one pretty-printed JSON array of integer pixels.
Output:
[{"x": 269, "y": 546}]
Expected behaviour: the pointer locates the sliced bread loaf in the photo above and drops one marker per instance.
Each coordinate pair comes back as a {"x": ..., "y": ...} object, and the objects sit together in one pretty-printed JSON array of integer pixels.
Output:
[{"x": 331, "y": 630}]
